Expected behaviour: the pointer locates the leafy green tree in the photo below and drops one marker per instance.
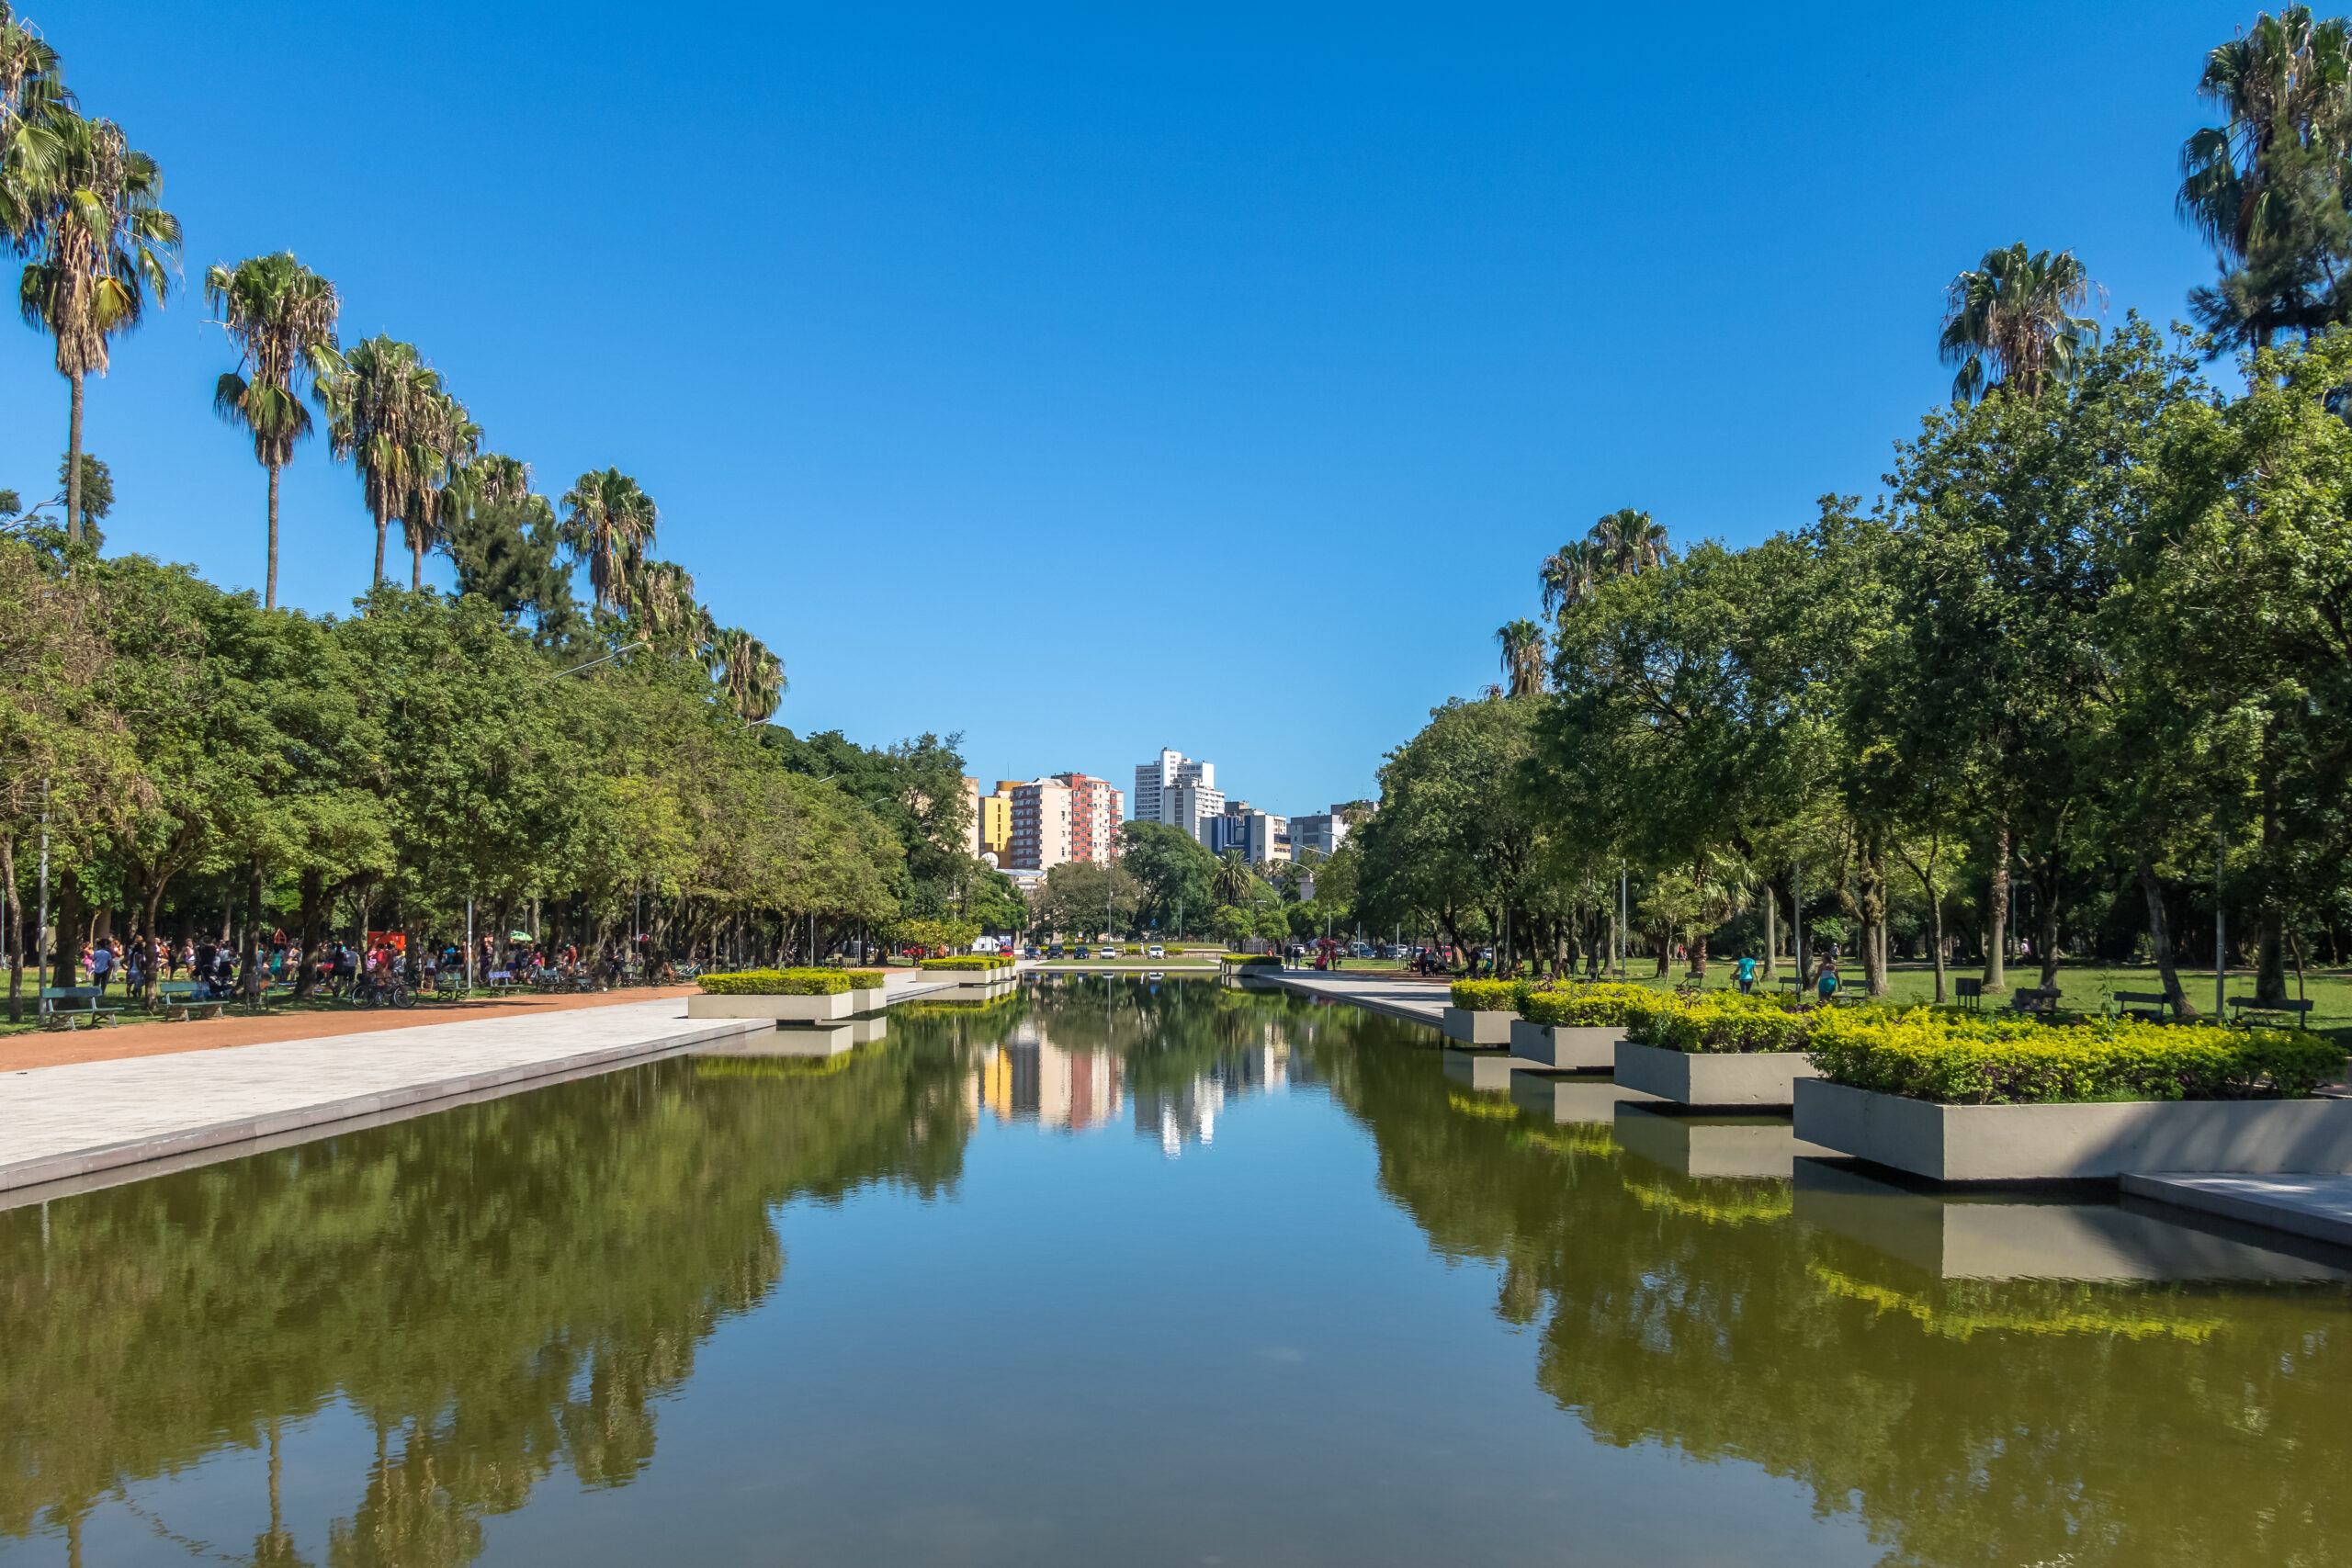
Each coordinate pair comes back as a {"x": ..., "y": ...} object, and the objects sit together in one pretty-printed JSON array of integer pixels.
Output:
[
  {"x": 281, "y": 316},
  {"x": 501, "y": 537},
  {"x": 1173, "y": 872},
  {"x": 104, "y": 248},
  {"x": 608, "y": 525},
  {"x": 96, "y": 494}
]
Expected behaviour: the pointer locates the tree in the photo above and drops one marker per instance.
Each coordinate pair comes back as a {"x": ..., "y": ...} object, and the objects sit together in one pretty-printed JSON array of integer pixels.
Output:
[
  {"x": 2266, "y": 188},
  {"x": 377, "y": 401},
  {"x": 443, "y": 440},
  {"x": 281, "y": 316},
  {"x": 1234, "y": 880},
  {"x": 502, "y": 540},
  {"x": 105, "y": 247},
  {"x": 96, "y": 491},
  {"x": 1523, "y": 657},
  {"x": 1627, "y": 541},
  {"x": 32, "y": 94},
  {"x": 1175, "y": 873},
  {"x": 608, "y": 524},
  {"x": 2008, "y": 323}
]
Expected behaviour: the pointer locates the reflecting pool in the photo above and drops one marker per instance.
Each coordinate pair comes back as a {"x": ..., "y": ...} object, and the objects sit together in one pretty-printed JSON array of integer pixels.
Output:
[{"x": 1129, "y": 1272}]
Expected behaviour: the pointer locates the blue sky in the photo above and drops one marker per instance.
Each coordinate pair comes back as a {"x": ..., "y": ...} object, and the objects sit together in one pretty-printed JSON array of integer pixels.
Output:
[{"x": 1059, "y": 374}]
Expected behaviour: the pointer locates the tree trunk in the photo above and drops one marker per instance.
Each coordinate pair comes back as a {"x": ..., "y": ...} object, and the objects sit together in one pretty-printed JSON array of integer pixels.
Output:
[
  {"x": 269, "y": 589},
  {"x": 15, "y": 931},
  {"x": 306, "y": 974},
  {"x": 381, "y": 523},
  {"x": 2160, "y": 934},
  {"x": 416, "y": 565},
  {"x": 1771, "y": 931},
  {"x": 73, "y": 470},
  {"x": 67, "y": 914},
  {"x": 2045, "y": 935},
  {"x": 1996, "y": 913},
  {"x": 249, "y": 952},
  {"x": 2270, "y": 923},
  {"x": 1699, "y": 942},
  {"x": 1869, "y": 865}
]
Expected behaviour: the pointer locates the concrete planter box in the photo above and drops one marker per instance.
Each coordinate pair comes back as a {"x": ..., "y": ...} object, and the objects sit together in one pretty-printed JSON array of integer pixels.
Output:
[
  {"x": 784, "y": 1009},
  {"x": 1712, "y": 1077},
  {"x": 1750, "y": 1146},
  {"x": 1477, "y": 1028},
  {"x": 1565, "y": 1048},
  {"x": 2016, "y": 1143},
  {"x": 868, "y": 1001}
]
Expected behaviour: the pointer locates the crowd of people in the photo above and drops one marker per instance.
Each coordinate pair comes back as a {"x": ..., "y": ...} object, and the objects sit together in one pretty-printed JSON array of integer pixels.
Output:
[{"x": 348, "y": 970}]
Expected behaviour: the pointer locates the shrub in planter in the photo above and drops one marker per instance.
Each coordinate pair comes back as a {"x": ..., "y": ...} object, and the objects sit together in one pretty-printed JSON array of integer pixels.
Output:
[
  {"x": 790, "y": 982},
  {"x": 1722, "y": 1021},
  {"x": 1974, "y": 1059},
  {"x": 1251, "y": 960},
  {"x": 1606, "y": 1006},
  {"x": 1488, "y": 996},
  {"x": 980, "y": 961}
]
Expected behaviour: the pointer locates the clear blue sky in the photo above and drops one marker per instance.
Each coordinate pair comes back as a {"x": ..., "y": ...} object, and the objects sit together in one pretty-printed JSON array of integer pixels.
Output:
[{"x": 1056, "y": 375}]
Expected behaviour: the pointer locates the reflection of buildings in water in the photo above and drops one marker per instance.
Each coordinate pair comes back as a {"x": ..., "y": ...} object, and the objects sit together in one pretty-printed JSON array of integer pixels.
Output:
[
  {"x": 1030, "y": 1078},
  {"x": 1188, "y": 1114}
]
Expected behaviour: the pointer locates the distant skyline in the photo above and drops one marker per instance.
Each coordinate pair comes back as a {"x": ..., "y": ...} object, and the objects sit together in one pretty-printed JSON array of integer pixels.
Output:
[{"x": 1091, "y": 381}]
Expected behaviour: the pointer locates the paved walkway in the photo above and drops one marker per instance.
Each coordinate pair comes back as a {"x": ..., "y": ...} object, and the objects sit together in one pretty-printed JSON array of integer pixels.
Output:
[
  {"x": 2316, "y": 1206},
  {"x": 1416, "y": 1001},
  {"x": 75, "y": 1120}
]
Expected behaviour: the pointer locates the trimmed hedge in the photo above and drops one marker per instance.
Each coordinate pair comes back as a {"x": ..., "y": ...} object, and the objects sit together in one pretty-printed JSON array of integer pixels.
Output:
[
  {"x": 970, "y": 960},
  {"x": 1251, "y": 960},
  {"x": 1956, "y": 1058},
  {"x": 1488, "y": 996},
  {"x": 1723, "y": 1022},
  {"x": 1604, "y": 1006},
  {"x": 790, "y": 982}
]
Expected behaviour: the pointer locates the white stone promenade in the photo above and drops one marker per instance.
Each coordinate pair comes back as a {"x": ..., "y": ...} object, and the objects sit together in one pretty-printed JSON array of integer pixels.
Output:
[
  {"x": 1414, "y": 1001},
  {"x": 84, "y": 1120}
]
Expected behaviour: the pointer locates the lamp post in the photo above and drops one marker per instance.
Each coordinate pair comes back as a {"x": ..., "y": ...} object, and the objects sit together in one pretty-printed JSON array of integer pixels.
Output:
[{"x": 607, "y": 660}]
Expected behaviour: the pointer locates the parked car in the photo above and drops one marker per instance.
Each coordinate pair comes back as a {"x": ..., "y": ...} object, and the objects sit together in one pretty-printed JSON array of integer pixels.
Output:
[
  {"x": 1155, "y": 952},
  {"x": 1055, "y": 951},
  {"x": 1078, "y": 953}
]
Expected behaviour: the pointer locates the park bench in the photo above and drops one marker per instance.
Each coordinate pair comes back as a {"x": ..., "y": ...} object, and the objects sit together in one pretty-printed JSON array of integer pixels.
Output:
[
  {"x": 73, "y": 1003},
  {"x": 2300, "y": 1012},
  {"x": 2154, "y": 1007},
  {"x": 2037, "y": 1002},
  {"x": 181, "y": 996},
  {"x": 1968, "y": 991}
]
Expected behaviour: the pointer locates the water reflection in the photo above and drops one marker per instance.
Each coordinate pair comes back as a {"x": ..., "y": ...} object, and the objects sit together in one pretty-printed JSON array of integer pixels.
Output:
[
  {"x": 523, "y": 1289},
  {"x": 2104, "y": 1399}
]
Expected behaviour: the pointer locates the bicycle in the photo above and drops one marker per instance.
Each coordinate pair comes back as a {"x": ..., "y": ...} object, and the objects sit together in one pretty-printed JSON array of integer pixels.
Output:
[{"x": 387, "y": 991}]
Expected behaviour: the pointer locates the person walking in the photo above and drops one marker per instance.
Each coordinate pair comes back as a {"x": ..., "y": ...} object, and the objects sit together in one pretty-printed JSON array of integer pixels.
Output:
[
  {"x": 1747, "y": 974},
  {"x": 1825, "y": 985},
  {"x": 101, "y": 960}
]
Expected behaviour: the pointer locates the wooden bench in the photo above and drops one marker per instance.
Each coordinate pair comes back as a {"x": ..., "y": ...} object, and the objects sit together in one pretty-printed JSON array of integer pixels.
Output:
[
  {"x": 1968, "y": 990},
  {"x": 2154, "y": 1007},
  {"x": 180, "y": 996},
  {"x": 73, "y": 1003},
  {"x": 2241, "y": 1006},
  {"x": 2038, "y": 1001}
]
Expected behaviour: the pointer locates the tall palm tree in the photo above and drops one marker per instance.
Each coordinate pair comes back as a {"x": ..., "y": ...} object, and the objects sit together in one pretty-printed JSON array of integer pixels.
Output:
[
  {"x": 443, "y": 441},
  {"x": 1627, "y": 541},
  {"x": 659, "y": 595},
  {"x": 1523, "y": 645},
  {"x": 608, "y": 522},
  {"x": 2266, "y": 187},
  {"x": 32, "y": 94},
  {"x": 2008, "y": 323},
  {"x": 105, "y": 246},
  {"x": 281, "y": 316},
  {"x": 751, "y": 678},
  {"x": 1566, "y": 576},
  {"x": 376, "y": 402}
]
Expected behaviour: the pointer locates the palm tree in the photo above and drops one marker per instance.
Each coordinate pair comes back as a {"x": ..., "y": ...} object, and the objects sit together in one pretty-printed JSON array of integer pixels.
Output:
[
  {"x": 2266, "y": 187},
  {"x": 659, "y": 595},
  {"x": 377, "y": 402},
  {"x": 1234, "y": 880},
  {"x": 608, "y": 522},
  {"x": 443, "y": 440},
  {"x": 1627, "y": 541},
  {"x": 2008, "y": 323},
  {"x": 32, "y": 94},
  {"x": 1566, "y": 577},
  {"x": 751, "y": 677},
  {"x": 104, "y": 246},
  {"x": 1523, "y": 645},
  {"x": 281, "y": 316}
]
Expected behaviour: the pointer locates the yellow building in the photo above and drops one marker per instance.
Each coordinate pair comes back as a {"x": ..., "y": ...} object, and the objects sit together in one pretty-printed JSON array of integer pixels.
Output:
[{"x": 994, "y": 819}]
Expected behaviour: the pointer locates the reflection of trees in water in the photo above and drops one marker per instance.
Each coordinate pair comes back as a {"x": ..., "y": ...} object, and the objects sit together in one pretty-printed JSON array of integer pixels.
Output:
[
  {"x": 496, "y": 1290},
  {"x": 1992, "y": 1422}
]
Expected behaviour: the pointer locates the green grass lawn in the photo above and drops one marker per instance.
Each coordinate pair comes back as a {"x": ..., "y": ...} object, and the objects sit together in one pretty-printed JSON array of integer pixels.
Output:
[{"x": 2083, "y": 986}]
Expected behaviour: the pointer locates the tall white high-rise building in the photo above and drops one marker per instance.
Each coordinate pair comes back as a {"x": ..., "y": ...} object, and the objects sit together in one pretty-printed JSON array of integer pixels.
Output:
[{"x": 1178, "y": 791}]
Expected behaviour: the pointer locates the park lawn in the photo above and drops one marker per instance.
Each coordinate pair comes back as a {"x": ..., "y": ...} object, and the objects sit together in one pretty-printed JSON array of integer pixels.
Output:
[{"x": 2083, "y": 987}]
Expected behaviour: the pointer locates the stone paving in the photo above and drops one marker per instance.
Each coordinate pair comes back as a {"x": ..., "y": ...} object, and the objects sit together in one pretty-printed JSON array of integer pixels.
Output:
[
  {"x": 2319, "y": 1206},
  {"x": 65, "y": 1121},
  {"x": 1415, "y": 1001}
]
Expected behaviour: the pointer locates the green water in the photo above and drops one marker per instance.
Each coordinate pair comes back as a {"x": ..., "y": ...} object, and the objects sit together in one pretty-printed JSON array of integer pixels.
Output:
[{"x": 1125, "y": 1274}]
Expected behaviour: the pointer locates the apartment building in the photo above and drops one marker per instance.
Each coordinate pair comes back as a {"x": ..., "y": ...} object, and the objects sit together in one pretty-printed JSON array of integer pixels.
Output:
[
  {"x": 1062, "y": 817},
  {"x": 992, "y": 822},
  {"x": 1178, "y": 791},
  {"x": 1323, "y": 832}
]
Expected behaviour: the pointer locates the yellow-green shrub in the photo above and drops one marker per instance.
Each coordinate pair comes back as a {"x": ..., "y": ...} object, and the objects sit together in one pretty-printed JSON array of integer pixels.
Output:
[
  {"x": 1488, "y": 996},
  {"x": 1604, "y": 1006},
  {"x": 970, "y": 960},
  {"x": 790, "y": 982},
  {"x": 1984, "y": 1059},
  {"x": 1723, "y": 1022}
]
